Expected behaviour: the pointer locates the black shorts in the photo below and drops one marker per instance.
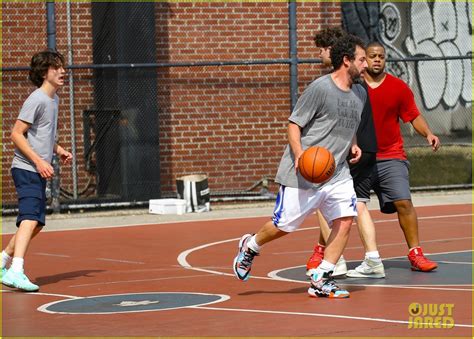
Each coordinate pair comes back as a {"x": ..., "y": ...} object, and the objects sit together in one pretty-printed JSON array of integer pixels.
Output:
[
  {"x": 362, "y": 175},
  {"x": 31, "y": 191}
]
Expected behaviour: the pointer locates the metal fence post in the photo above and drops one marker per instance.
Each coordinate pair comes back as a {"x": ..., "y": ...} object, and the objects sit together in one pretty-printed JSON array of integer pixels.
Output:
[
  {"x": 293, "y": 53},
  {"x": 51, "y": 32}
]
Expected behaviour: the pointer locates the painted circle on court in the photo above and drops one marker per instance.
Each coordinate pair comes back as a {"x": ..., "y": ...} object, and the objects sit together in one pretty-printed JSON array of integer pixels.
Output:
[
  {"x": 453, "y": 269},
  {"x": 131, "y": 302}
]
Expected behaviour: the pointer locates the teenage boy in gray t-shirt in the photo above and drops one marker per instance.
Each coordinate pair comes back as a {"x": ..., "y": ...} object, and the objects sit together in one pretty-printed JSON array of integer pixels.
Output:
[
  {"x": 327, "y": 114},
  {"x": 34, "y": 137}
]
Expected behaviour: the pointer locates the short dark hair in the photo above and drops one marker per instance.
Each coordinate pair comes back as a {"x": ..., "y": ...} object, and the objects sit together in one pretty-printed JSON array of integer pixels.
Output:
[
  {"x": 328, "y": 36},
  {"x": 374, "y": 44},
  {"x": 41, "y": 62},
  {"x": 345, "y": 46}
]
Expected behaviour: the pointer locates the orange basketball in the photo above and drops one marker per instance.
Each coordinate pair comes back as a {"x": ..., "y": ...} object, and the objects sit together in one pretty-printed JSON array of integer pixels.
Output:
[{"x": 316, "y": 164}]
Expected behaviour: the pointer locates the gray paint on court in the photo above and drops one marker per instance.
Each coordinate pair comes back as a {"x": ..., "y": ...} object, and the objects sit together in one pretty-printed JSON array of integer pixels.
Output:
[
  {"x": 133, "y": 302},
  {"x": 453, "y": 269}
]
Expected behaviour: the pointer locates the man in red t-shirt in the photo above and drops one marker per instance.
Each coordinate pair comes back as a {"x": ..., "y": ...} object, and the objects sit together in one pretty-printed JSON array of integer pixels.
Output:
[{"x": 392, "y": 100}]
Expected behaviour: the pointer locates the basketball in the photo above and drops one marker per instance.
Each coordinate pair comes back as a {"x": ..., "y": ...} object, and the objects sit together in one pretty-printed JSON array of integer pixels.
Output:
[{"x": 316, "y": 164}]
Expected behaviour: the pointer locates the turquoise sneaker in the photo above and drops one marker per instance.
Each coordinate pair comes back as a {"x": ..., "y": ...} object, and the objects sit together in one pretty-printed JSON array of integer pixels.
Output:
[
  {"x": 18, "y": 280},
  {"x": 4, "y": 270}
]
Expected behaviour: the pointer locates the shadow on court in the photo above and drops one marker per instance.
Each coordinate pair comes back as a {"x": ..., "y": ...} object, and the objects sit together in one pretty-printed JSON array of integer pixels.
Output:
[{"x": 52, "y": 279}]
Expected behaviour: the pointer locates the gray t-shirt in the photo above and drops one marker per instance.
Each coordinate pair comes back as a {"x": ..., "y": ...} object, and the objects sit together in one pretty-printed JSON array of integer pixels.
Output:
[
  {"x": 329, "y": 117},
  {"x": 41, "y": 112}
]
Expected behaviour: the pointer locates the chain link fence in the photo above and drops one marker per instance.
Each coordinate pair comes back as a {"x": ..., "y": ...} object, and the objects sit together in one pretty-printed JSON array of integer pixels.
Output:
[{"x": 139, "y": 111}]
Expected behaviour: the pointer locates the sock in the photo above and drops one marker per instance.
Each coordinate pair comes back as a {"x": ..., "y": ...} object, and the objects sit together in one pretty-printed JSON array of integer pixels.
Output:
[
  {"x": 373, "y": 255},
  {"x": 326, "y": 266},
  {"x": 252, "y": 244},
  {"x": 17, "y": 264},
  {"x": 6, "y": 259}
]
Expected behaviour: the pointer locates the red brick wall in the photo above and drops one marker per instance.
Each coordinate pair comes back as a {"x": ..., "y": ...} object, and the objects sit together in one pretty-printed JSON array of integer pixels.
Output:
[{"x": 228, "y": 122}]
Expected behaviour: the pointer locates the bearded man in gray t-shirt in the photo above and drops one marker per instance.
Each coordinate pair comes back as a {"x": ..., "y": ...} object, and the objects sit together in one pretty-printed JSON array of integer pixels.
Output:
[{"x": 327, "y": 114}]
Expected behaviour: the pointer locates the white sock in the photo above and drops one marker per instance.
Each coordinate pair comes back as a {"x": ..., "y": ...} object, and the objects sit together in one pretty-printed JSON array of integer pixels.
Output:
[
  {"x": 326, "y": 266},
  {"x": 17, "y": 264},
  {"x": 252, "y": 244},
  {"x": 6, "y": 259},
  {"x": 373, "y": 255}
]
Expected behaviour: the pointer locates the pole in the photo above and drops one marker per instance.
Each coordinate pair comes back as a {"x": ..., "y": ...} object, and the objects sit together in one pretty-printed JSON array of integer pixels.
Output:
[
  {"x": 71, "y": 101},
  {"x": 293, "y": 53},
  {"x": 51, "y": 32}
]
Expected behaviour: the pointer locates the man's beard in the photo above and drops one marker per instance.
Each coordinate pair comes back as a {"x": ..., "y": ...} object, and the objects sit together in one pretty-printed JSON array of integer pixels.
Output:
[
  {"x": 373, "y": 73},
  {"x": 355, "y": 76},
  {"x": 357, "y": 80}
]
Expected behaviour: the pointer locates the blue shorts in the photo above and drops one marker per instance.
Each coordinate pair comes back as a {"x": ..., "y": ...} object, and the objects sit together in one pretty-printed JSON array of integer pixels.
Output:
[
  {"x": 390, "y": 181},
  {"x": 31, "y": 191}
]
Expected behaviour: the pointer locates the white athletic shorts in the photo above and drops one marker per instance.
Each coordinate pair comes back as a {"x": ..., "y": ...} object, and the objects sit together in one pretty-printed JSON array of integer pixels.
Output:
[{"x": 293, "y": 205}]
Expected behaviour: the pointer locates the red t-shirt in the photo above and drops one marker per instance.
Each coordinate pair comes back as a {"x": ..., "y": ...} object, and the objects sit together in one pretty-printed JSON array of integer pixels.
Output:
[{"x": 391, "y": 101}]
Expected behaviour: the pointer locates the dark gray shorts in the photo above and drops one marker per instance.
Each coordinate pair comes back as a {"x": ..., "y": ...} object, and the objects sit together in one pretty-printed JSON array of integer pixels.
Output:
[{"x": 390, "y": 181}]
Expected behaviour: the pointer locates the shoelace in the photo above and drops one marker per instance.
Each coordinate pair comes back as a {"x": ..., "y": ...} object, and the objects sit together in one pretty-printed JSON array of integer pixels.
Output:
[
  {"x": 330, "y": 285},
  {"x": 420, "y": 259},
  {"x": 248, "y": 258}
]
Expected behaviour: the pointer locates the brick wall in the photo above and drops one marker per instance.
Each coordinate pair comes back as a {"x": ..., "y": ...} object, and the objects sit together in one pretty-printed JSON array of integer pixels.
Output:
[{"x": 228, "y": 122}]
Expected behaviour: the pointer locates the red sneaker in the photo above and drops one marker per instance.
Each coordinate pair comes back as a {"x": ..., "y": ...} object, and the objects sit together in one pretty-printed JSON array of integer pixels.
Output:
[
  {"x": 315, "y": 259},
  {"x": 419, "y": 262}
]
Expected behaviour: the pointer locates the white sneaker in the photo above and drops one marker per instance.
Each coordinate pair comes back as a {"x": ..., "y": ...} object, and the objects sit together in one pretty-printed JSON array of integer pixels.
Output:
[
  {"x": 368, "y": 269},
  {"x": 341, "y": 267}
]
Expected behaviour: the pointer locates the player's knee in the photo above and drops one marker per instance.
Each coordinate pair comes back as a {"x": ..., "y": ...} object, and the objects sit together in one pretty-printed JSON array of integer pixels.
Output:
[
  {"x": 404, "y": 206},
  {"x": 344, "y": 224}
]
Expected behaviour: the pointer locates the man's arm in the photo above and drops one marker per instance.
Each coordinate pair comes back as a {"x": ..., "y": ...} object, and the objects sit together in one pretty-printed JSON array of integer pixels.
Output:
[
  {"x": 19, "y": 130},
  {"x": 356, "y": 152},
  {"x": 62, "y": 153},
  {"x": 421, "y": 127},
  {"x": 294, "y": 139}
]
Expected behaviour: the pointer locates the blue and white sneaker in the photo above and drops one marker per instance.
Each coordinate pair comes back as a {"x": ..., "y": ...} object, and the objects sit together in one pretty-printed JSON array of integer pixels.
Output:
[
  {"x": 18, "y": 280},
  {"x": 244, "y": 258},
  {"x": 323, "y": 285}
]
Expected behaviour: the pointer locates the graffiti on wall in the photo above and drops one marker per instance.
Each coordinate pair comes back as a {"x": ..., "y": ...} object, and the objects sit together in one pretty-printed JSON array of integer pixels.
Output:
[{"x": 424, "y": 29}]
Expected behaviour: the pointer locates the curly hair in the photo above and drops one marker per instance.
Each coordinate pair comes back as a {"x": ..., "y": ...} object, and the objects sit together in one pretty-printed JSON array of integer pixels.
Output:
[
  {"x": 345, "y": 46},
  {"x": 41, "y": 62},
  {"x": 328, "y": 36}
]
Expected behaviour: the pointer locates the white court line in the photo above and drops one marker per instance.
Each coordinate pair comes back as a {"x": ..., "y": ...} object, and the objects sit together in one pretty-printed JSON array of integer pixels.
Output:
[
  {"x": 140, "y": 280},
  {"x": 274, "y": 275},
  {"x": 383, "y": 245},
  {"x": 182, "y": 257},
  {"x": 322, "y": 315},
  {"x": 184, "y": 263},
  {"x": 455, "y": 262},
  {"x": 53, "y": 255},
  {"x": 162, "y": 222},
  {"x": 122, "y": 261},
  {"x": 40, "y": 293},
  {"x": 44, "y": 308}
]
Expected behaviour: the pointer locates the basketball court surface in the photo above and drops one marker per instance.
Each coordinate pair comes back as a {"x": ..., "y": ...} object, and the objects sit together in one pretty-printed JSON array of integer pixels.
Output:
[{"x": 175, "y": 278}]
